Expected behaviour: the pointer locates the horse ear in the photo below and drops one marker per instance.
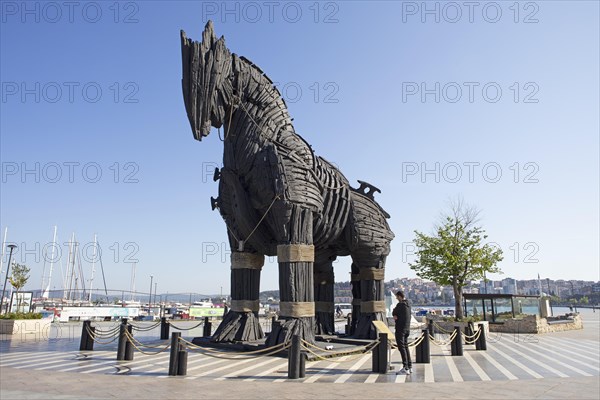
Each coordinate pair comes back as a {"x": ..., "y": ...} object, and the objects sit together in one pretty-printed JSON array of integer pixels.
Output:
[{"x": 208, "y": 36}]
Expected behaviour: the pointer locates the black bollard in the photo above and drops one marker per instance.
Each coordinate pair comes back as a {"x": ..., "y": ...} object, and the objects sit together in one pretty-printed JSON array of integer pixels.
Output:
[
  {"x": 382, "y": 350},
  {"x": 482, "y": 339},
  {"x": 207, "y": 328},
  {"x": 164, "y": 328},
  {"x": 182, "y": 361},
  {"x": 174, "y": 355},
  {"x": 129, "y": 344},
  {"x": 430, "y": 326},
  {"x": 456, "y": 345},
  {"x": 294, "y": 358},
  {"x": 422, "y": 350},
  {"x": 90, "y": 340},
  {"x": 273, "y": 320},
  {"x": 83, "y": 344},
  {"x": 303, "y": 357},
  {"x": 375, "y": 359},
  {"x": 122, "y": 340}
]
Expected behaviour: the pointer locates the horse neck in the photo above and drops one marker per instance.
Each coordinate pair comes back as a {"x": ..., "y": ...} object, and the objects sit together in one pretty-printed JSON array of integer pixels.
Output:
[{"x": 256, "y": 121}]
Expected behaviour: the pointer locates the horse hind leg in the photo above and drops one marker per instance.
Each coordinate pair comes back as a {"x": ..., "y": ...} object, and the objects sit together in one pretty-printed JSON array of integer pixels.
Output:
[
  {"x": 372, "y": 291},
  {"x": 324, "y": 295}
]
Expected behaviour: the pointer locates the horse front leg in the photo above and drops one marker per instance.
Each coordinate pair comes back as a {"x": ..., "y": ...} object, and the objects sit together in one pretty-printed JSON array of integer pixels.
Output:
[
  {"x": 296, "y": 291},
  {"x": 242, "y": 321}
]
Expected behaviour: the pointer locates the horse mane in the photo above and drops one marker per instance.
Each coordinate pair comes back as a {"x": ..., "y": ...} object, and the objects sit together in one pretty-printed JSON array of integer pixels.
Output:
[{"x": 263, "y": 75}]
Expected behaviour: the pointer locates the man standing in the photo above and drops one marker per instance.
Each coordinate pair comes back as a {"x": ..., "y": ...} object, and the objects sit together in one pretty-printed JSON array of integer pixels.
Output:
[{"x": 402, "y": 316}]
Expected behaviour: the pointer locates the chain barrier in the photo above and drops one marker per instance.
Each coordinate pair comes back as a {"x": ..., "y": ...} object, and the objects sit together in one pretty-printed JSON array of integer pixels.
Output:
[
  {"x": 237, "y": 355},
  {"x": 144, "y": 329},
  {"x": 185, "y": 329},
  {"x": 414, "y": 343},
  {"x": 450, "y": 339}
]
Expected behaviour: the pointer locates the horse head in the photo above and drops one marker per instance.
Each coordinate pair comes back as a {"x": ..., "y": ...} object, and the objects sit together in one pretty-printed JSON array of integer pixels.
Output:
[{"x": 206, "y": 81}]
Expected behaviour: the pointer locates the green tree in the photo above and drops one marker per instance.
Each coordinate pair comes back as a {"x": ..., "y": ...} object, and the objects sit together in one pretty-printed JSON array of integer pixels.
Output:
[
  {"x": 584, "y": 300},
  {"x": 18, "y": 279},
  {"x": 455, "y": 253}
]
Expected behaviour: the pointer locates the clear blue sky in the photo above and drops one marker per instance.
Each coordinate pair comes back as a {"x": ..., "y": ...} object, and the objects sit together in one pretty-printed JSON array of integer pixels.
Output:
[{"x": 370, "y": 61}]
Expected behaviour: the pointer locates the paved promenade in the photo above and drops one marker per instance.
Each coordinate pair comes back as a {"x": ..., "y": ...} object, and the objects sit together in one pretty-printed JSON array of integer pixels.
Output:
[{"x": 558, "y": 365}]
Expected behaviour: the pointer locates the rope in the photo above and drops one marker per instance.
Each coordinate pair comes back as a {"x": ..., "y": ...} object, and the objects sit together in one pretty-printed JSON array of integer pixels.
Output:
[
  {"x": 257, "y": 225},
  {"x": 240, "y": 356},
  {"x": 471, "y": 336},
  {"x": 417, "y": 341},
  {"x": 148, "y": 328},
  {"x": 263, "y": 217},
  {"x": 475, "y": 337},
  {"x": 341, "y": 354},
  {"x": 106, "y": 333},
  {"x": 129, "y": 339},
  {"x": 441, "y": 329},
  {"x": 93, "y": 336},
  {"x": 186, "y": 329},
  {"x": 147, "y": 345},
  {"x": 450, "y": 339}
]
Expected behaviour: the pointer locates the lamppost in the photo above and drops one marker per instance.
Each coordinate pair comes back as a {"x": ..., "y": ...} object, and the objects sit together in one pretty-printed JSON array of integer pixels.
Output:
[
  {"x": 155, "y": 284},
  {"x": 11, "y": 248}
]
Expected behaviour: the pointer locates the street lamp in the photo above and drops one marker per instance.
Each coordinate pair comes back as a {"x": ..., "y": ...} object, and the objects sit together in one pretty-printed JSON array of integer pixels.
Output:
[
  {"x": 11, "y": 247},
  {"x": 155, "y": 284}
]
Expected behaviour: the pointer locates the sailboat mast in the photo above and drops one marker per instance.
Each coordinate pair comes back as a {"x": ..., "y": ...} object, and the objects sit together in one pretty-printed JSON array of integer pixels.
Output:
[
  {"x": 3, "y": 250},
  {"x": 132, "y": 281},
  {"x": 51, "y": 262},
  {"x": 67, "y": 282},
  {"x": 93, "y": 266}
]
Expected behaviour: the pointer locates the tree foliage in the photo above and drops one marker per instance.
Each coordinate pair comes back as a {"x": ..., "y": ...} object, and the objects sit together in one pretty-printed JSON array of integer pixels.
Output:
[
  {"x": 456, "y": 252},
  {"x": 19, "y": 276}
]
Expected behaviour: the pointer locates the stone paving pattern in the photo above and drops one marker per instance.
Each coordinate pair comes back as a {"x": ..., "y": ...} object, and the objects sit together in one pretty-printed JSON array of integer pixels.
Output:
[{"x": 557, "y": 365}]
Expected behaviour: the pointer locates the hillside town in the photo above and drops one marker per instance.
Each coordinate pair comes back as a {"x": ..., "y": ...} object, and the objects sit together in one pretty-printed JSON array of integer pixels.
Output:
[{"x": 422, "y": 292}]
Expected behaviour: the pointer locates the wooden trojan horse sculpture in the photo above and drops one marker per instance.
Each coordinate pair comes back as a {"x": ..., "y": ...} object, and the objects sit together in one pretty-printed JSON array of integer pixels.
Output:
[{"x": 278, "y": 198}]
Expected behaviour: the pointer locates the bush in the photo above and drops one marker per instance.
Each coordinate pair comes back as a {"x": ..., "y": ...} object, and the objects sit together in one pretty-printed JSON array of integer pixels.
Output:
[{"x": 21, "y": 315}]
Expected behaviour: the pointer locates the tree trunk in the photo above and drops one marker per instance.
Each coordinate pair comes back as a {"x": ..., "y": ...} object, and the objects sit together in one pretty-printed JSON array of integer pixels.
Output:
[{"x": 458, "y": 301}]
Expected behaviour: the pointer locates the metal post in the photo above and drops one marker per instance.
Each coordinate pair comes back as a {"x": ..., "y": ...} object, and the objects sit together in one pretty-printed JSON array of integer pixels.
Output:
[
  {"x": 457, "y": 347},
  {"x": 207, "y": 327},
  {"x": 83, "y": 343},
  {"x": 90, "y": 342},
  {"x": 182, "y": 357},
  {"x": 164, "y": 328},
  {"x": 422, "y": 350},
  {"x": 430, "y": 326},
  {"x": 294, "y": 358},
  {"x": 482, "y": 339},
  {"x": 375, "y": 359},
  {"x": 122, "y": 340},
  {"x": 426, "y": 347},
  {"x": 11, "y": 247},
  {"x": 174, "y": 356},
  {"x": 128, "y": 344},
  {"x": 382, "y": 368}
]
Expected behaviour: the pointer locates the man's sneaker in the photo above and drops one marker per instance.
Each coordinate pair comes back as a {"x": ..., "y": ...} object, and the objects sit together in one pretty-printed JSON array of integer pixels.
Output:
[
  {"x": 404, "y": 371},
  {"x": 409, "y": 370}
]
